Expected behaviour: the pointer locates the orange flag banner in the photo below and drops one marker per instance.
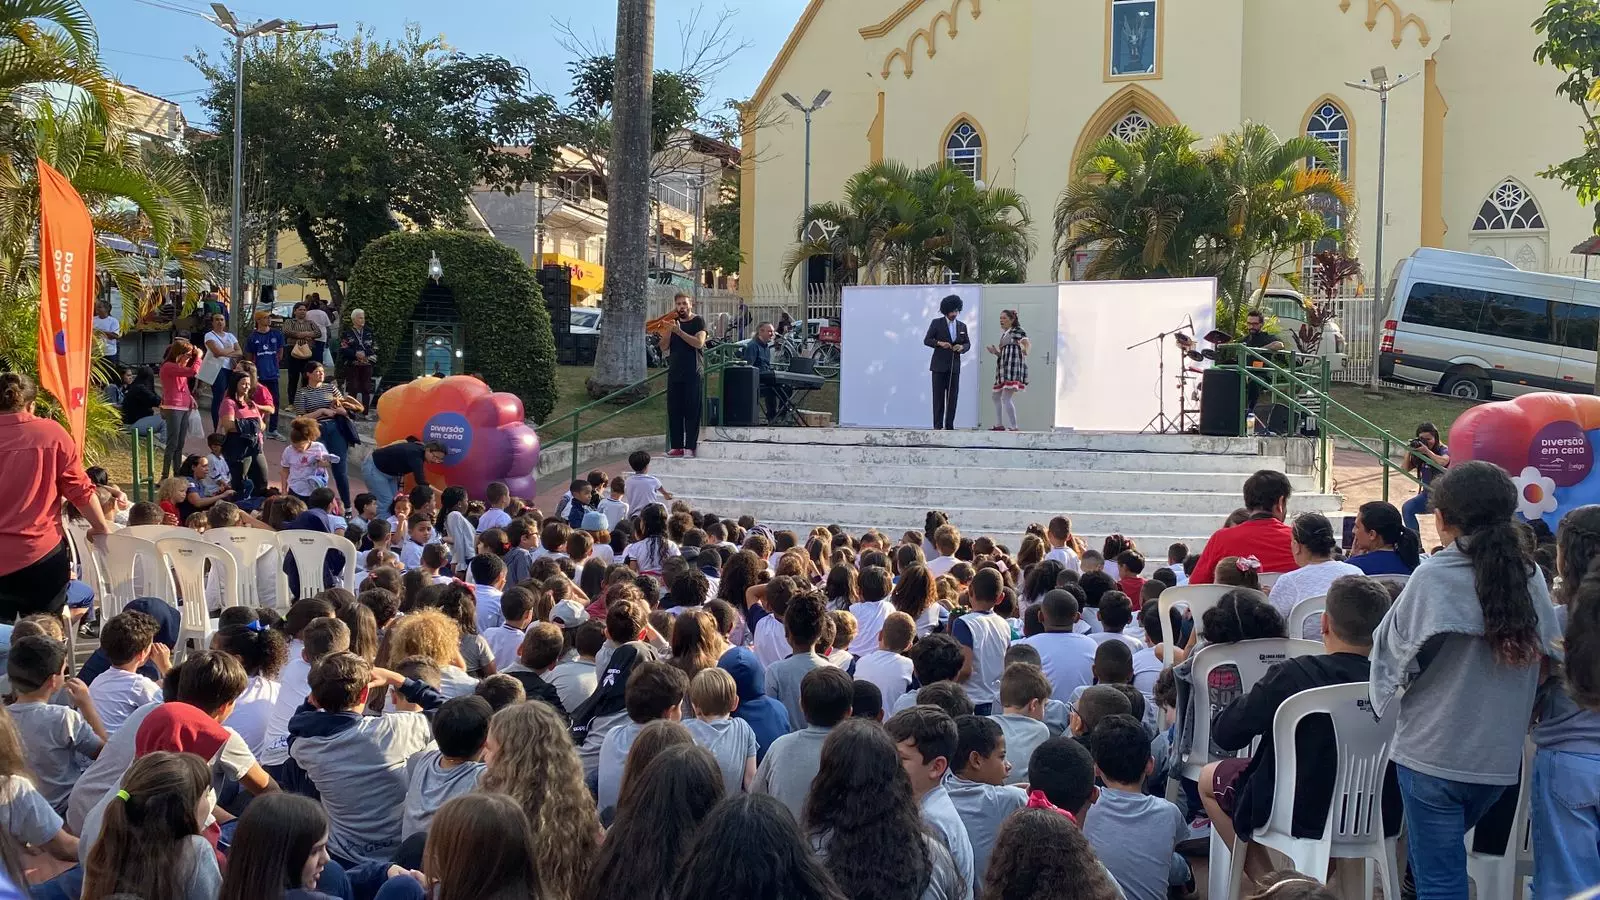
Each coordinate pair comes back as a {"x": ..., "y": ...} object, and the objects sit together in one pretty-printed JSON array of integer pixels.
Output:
[{"x": 66, "y": 296}]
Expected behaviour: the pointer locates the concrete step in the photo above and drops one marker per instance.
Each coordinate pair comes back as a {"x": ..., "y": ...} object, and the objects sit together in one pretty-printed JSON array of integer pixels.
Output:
[
  {"x": 1017, "y": 497},
  {"x": 676, "y": 471},
  {"x": 894, "y": 516},
  {"x": 1102, "y": 441},
  {"x": 813, "y": 457}
]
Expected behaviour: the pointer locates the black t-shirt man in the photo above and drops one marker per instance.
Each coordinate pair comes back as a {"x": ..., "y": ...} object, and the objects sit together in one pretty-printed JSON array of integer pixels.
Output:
[{"x": 683, "y": 360}]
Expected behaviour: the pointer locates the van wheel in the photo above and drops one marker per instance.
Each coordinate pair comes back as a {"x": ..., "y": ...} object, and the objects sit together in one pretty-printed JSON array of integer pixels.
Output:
[{"x": 1466, "y": 384}]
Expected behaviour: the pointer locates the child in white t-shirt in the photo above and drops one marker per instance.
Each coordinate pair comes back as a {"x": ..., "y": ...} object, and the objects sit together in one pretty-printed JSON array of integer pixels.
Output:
[
  {"x": 128, "y": 640},
  {"x": 496, "y": 497},
  {"x": 505, "y": 637},
  {"x": 55, "y": 739},
  {"x": 305, "y": 461},
  {"x": 887, "y": 667},
  {"x": 643, "y": 488},
  {"x": 714, "y": 696},
  {"x": 614, "y": 507},
  {"x": 1059, "y": 534}
]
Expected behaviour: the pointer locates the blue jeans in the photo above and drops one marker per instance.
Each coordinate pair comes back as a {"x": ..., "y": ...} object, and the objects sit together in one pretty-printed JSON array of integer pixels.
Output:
[
  {"x": 1416, "y": 506},
  {"x": 1564, "y": 807},
  {"x": 382, "y": 486},
  {"x": 336, "y": 444},
  {"x": 1439, "y": 813}
]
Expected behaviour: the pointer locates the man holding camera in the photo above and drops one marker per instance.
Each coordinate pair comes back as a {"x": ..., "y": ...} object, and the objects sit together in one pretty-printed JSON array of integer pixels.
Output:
[{"x": 1425, "y": 448}]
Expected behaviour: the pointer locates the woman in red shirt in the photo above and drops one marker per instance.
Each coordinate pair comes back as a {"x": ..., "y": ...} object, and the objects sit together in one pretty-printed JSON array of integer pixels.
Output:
[{"x": 42, "y": 468}]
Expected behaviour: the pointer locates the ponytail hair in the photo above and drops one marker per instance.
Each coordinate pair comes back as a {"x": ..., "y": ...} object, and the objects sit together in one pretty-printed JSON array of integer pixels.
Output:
[
  {"x": 17, "y": 392},
  {"x": 1384, "y": 520},
  {"x": 262, "y": 651},
  {"x": 1479, "y": 500},
  {"x": 1581, "y": 669},
  {"x": 141, "y": 846}
]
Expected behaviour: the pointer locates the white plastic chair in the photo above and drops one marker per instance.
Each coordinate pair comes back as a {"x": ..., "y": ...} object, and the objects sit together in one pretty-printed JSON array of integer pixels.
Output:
[
  {"x": 1197, "y": 598},
  {"x": 124, "y": 556},
  {"x": 309, "y": 549},
  {"x": 1304, "y": 611},
  {"x": 1396, "y": 580},
  {"x": 156, "y": 532},
  {"x": 248, "y": 547},
  {"x": 1354, "y": 829},
  {"x": 1268, "y": 579},
  {"x": 189, "y": 556},
  {"x": 1502, "y": 876}
]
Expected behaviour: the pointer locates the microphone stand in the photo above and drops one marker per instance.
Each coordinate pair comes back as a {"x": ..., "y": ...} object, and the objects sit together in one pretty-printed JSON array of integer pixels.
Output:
[{"x": 1161, "y": 423}]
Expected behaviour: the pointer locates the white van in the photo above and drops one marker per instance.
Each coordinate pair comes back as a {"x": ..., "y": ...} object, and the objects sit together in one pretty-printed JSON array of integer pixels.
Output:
[{"x": 1477, "y": 327}]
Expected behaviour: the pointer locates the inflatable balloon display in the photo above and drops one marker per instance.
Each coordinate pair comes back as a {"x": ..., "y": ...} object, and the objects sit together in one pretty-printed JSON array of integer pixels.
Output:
[
  {"x": 484, "y": 432},
  {"x": 1546, "y": 441}
]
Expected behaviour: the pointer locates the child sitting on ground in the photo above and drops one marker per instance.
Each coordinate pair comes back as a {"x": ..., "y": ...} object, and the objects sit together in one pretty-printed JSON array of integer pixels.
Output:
[
  {"x": 982, "y": 771},
  {"x": 1093, "y": 705},
  {"x": 1023, "y": 693},
  {"x": 654, "y": 691},
  {"x": 55, "y": 739},
  {"x": 934, "y": 659},
  {"x": 516, "y": 614},
  {"x": 128, "y": 640},
  {"x": 714, "y": 697},
  {"x": 419, "y": 536},
  {"x": 1135, "y": 835},
  {"x": 1116, "y": 614},
  {"x": 460, "y": 727},
  {"x": 537, "y": 655},
  {"x": 792, "y": 762}
]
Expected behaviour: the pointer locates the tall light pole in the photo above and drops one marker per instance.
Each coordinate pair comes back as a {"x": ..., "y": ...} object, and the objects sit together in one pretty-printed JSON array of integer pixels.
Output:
[
  {"x": 228, "y": 22},
  {"x": 1380, "y": 84},
  {"x": 820, "y": 102}
]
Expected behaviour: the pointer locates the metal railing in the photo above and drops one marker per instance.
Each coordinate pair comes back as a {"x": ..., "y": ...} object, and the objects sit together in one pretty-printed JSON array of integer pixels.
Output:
[
  {"x": 716, "y": 360},
  {"x": 1266, "y": 372},
  {"x": 144, "y": 488}
]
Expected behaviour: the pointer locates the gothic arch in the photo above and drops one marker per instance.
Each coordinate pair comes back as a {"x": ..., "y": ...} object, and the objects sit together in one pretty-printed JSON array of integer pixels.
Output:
[
  {"x": 1131, "y": 98},
  {"x": 978, "y": 132},
  {"x": 1350, "y": 123}
]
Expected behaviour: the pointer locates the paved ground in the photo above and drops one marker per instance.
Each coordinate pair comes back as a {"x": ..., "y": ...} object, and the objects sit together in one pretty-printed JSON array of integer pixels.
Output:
[{"x": 1359, "y": 478}]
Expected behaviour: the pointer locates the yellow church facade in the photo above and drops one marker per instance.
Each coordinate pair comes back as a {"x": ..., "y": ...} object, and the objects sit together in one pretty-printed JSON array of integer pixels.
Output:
[{"x": 1016, "y": 90}]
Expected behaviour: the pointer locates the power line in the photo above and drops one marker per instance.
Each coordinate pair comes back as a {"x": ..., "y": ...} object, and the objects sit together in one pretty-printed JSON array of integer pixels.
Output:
[
  {"x": 170, "y": 7},
  {"x": 143, "y": 55}
]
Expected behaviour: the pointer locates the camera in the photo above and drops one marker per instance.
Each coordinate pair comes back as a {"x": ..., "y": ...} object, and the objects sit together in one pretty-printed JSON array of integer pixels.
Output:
[{"x": 1415, "y": 443}]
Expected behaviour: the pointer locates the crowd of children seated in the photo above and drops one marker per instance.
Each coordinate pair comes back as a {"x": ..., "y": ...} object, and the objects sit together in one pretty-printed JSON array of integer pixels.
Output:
[{"x": 632, "y": 698}]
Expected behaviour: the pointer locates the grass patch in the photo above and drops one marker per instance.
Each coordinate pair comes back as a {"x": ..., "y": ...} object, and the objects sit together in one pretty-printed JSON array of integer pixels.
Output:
[
  {"x": 648, "y": 418},
  {"x": 1396, "y": 411}
]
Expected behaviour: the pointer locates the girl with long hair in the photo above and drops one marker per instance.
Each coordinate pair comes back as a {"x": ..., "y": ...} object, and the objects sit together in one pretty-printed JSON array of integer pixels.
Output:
[
  {"x": 149, "y": 845},
  {"x": 656, "y": 822},
  {"x": 529, "y": 757},
  {"x": 24, "y": 811},
  {"x": 1113, "y": 547},
  {"x": 931, "y": 523},
  {"x": 653, "y": 740},
  {"x": 696, "y": 642},
  {"x": 453, "y": 525},
  {"x": 179, "y": 365},
  {"x": 647, "y": 554},
  {"x": 914, "y": 595},
  {"x": 863, "y": 820},
  {"x": 840, "y": 587},
  {"x": 742, "y": 572},
  {"x": 1036, "y": 852},
  {"x": 1382, "y": 543},
  {"x": 480, "y": 847},
  {"x": 750, "y": 846},
  {"x": 1010, "y": 370},
  {"x": 1566, "y": 767},
  {"x": 279, "y": 851},
  {"x": 458, "y": 602},
  {"x": 1468, "y": 634}
]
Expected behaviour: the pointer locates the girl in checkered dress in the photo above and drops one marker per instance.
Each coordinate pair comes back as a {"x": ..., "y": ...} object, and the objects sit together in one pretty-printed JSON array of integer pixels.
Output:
[{"x": 1010, "y": 371}]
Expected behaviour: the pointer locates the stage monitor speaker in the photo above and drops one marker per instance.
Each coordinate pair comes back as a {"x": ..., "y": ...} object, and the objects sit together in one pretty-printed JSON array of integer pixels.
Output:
[
  {"x": 1219, "y": 403},
  {"x": 741, "y": 388}
]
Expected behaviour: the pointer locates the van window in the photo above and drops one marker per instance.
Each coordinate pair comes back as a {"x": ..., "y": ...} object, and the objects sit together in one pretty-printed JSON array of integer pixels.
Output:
[
  {"x": 1518, "y": 318},
  {"x": 1580, "y": 328},
  {"x": 1442, "y": 306}
]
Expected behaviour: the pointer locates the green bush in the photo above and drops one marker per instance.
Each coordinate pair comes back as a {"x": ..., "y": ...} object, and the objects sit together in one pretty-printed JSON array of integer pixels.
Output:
[{"x": 505, "y": 325}]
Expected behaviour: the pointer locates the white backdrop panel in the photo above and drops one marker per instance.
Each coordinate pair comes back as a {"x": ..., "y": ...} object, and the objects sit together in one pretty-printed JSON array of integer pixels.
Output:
[
  {"x": 1099, "y": 385},
  {"x": 883, "y": 376}
]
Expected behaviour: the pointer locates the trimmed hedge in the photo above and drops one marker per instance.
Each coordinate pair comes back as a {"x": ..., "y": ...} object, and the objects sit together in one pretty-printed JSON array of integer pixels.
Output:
[{"x": 505, "y": 325}]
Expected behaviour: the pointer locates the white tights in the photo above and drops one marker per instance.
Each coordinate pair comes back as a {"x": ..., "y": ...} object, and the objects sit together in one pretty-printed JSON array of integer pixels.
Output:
[{"x": 1005, "y": 409}]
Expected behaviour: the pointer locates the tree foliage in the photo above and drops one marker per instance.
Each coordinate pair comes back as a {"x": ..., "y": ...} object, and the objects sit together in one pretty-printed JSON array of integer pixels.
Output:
[
  {"x": 1571, "y": 32},
  {"x": 719, "y": 249},
  {"x": 1237, "y": 210},
  {"x": 585, "y": 122},
  {"x": 506, "y": 326},
  {"x": 349, "y": 133},
  {"x": 898, "y": 225}
]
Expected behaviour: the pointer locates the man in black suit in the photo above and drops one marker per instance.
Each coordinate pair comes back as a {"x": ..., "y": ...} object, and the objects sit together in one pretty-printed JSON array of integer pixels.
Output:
[{"x": 948, "y": 338}]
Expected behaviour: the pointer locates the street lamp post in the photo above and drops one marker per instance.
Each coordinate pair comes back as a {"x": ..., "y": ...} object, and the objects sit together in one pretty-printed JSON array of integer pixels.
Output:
[
  {"x": 226, "y": 20},
  {"x": 1380, "y": 84},
  {"x": 818, "y": 103}
]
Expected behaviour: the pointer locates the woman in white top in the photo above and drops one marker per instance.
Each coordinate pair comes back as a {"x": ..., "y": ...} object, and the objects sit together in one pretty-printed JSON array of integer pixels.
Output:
[
  {"x": 1312, "y": 543},
  {"x": 221, "y": 343}
]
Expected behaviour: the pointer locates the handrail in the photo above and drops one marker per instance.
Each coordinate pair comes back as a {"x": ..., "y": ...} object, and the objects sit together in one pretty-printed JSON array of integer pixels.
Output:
[
  {"x": 143, "y": 489},
  {"x": 1252, "y": 363},
  {"x": 717, "y": 359}
]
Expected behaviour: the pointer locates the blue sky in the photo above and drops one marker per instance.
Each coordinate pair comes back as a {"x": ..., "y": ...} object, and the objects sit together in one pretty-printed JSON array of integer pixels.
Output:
[{"x": 144, "y": 42}]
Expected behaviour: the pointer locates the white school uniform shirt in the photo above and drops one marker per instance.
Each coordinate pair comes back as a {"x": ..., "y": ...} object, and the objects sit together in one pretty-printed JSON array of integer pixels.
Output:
[
  {"x": 614, "y": 510},
  {"x": 644, "y": 554},
  {"x": 411, "y": 553},
  {"x": 771, "y": 642},
  {"x": 869, "y": 621},
  {"x": 487, "y": 598},
  {"x": 890, "y": 671},
  {"x": 640, "y": 491},
  {"x": 1065, "y": 556},
  {"x": 293, "y": 689},
  {"x": 987, "y": 635},
  {"x": 253, "y": 710},
  {"x": 605, "y": 554},
  {"x": 941, "y": 565},
  {"x": 1179, "y": 573},
  {"x": 117, "y": 693},
  {"x": 1134, "y": 644},
  {"x": 463, "y": 540},
  {"x": 493, "y": 517},
  {"x": 504, "y": 640}
]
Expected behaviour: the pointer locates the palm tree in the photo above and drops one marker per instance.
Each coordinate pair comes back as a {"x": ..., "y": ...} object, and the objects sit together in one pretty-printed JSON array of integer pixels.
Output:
[
  {"x": 45, "y": 46},
  {"x": 1151, "y": 208},
  {"x": 1275, "y": 192},
  {"x": 897, "y": 225}
]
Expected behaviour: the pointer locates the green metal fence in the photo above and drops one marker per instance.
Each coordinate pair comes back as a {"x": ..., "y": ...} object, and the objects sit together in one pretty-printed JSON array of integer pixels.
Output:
[{"x": 144, "y": 479}]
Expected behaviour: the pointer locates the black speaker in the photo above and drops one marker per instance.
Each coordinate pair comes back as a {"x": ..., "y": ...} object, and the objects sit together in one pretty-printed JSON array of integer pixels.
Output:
[
  {"x": 741, "y": 388},
  {"x": 1219, "y": 403}
]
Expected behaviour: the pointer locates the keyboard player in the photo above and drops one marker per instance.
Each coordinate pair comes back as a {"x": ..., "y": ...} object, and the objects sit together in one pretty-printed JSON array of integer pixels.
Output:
[{"x": 758, "y": 353}]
